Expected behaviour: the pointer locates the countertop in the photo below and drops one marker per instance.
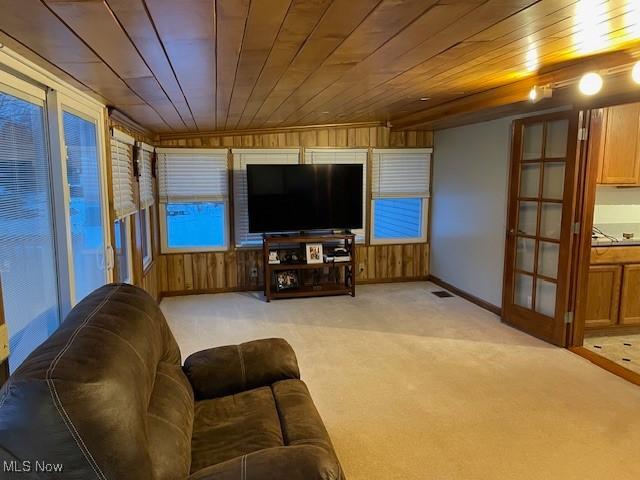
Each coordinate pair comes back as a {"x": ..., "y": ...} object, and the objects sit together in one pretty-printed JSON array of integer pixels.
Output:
[{"x": 606, "y": 242}]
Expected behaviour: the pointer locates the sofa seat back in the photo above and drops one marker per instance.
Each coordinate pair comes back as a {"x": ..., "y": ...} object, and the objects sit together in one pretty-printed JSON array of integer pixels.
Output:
[{"x": 105, "y": 396}]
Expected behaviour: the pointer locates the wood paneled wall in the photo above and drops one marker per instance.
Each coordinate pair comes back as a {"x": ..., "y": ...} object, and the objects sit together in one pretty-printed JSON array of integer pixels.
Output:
[
  {"x": 241, "y": 269},
  {"x": 347, "y": 137},
  {"x": 187, "y": 273}
]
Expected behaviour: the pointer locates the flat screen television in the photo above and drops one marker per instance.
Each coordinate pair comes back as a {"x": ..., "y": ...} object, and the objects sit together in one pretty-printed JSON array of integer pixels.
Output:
[{"x": 284, "y": 198}]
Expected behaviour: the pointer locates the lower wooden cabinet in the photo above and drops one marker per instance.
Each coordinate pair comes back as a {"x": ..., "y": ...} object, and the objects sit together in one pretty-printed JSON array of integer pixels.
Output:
[
  {"x": 603, "y": 301},
  {"x": 630, "y": 303}
]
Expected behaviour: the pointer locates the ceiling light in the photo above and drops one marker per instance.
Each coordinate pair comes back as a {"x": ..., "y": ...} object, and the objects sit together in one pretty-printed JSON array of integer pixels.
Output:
[
  {"x": 532, "y": 58},
  {"x": 537, "y": 93},
  {"x": 635, "y": 72},
  {"x": 590, "y": 83}
]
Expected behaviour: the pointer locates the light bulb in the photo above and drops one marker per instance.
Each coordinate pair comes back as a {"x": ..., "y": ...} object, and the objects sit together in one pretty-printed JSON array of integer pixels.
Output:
[
  {"x": 590, "y": 83},
  {"x": 533, "y": 94},
  {"x": 635, "y": 72}
]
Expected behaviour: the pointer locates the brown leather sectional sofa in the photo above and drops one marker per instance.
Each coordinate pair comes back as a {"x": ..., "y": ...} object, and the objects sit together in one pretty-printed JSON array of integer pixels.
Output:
[{"x": 106, "y": 397}]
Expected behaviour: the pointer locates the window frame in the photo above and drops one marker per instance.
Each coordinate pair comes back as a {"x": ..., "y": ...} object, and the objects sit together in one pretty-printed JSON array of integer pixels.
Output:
[
  {"x": 128, "y": 245},
  {"x": 58, "y": 103},
  {"x": 162, "y": 204},
  {"x": 424, "y": 217},
  {"x": 165, "y": 249},
  {"x": 32, "y": 94},
  {"x": 425, "y": 203},
  {"x": 147, "y": 240}
]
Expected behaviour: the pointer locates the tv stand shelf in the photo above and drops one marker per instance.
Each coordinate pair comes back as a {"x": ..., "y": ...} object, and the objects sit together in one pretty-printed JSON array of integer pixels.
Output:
[{"x": 347, "y": 286}]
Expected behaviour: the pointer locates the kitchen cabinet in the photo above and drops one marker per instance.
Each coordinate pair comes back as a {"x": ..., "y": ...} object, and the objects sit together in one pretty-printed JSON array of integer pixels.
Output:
[
  {"x": 613, "y": 291},
  {"x": 619, "y": 146},
  {"x": 630, "y": 303},
  {"x": 603, "y": 300}
]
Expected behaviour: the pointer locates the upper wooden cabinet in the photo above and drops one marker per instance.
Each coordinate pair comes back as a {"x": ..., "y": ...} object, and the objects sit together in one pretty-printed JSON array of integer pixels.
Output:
[{"x": 619, "y": 149}]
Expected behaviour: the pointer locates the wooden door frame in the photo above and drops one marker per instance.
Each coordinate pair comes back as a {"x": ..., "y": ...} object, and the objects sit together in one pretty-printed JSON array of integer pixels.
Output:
[
  {"x": 586, "y": 204},
  {"x": 585, "y": 208},
  {"x": 555, "y": 331}
]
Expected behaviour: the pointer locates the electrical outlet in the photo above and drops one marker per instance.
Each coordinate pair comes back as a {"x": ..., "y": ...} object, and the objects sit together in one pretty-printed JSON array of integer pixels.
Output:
[
  {"x": 4, "y": 343},
  {"x": 361, "y": 267},
  {"x": 254, "y": 273}
]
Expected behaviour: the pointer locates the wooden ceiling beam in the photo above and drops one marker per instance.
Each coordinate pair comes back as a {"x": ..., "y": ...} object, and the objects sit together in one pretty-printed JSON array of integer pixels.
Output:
[{"x": 513, "y": 93}]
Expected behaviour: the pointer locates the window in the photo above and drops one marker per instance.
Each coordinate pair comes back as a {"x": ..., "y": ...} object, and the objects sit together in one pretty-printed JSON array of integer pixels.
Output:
[
  {"x": 53, "y": 209},
  {"x": 242, "y": 158},
  {"x": 27, "y": 237},
  {"x": 320, "y": 156},
  {"x": 122, "y": 174},
  {"x": 400, "y": 195},
  {"x": 145, "y": 236},
  {"x": 145, "y": 162},
  {"x": 193, "y": 191},
  {"x": 86, "y": 205},
  {"x": 122, "y": 242},
  {"x": 123, "y": 202},
  {"x": 147, "y": 199}
]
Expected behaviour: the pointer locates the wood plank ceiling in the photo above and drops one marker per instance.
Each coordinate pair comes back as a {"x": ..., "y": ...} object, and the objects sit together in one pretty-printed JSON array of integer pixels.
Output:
[{"x": 205, "y": 65}]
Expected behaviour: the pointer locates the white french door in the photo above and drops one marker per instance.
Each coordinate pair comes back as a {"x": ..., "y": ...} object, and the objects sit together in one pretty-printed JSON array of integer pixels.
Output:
[
  {"x": 88, "y": 254},
  {"x": 27, "y": 234}
]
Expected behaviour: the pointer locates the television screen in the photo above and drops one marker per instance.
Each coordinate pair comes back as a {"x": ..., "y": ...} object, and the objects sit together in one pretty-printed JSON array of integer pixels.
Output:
[{"x": 286, "y": 198}]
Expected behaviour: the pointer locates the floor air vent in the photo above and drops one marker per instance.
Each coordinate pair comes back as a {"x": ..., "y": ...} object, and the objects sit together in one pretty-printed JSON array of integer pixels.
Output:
[{"x": 442, "y": 294}]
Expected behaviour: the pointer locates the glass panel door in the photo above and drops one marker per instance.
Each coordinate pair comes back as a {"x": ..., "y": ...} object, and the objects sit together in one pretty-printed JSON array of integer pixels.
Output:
[
  {"x": 85, "y": 204},
  {"x": 27, "y": 240},
  {"x": 540, "y": 214}
]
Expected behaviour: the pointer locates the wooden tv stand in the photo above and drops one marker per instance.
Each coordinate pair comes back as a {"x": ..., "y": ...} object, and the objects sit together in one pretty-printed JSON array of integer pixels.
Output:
[{"x": 343, "y": 286}]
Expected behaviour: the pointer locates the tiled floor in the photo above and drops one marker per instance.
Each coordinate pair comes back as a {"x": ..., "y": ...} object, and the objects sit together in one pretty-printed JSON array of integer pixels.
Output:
[{"x": 624, "y": 350}]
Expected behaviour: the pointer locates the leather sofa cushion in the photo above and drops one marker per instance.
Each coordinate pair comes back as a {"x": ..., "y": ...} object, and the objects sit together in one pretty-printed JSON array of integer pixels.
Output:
[
  {"x": 300, "y": 421},
  {"x": 232, "y": 426},
  {"x": 170, "y": 423}
]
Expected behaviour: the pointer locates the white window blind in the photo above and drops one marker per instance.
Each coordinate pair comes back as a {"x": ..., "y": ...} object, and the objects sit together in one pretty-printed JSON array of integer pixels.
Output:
[
  {"x": 145, "y": 158},
  {"x": 324, "y": 156},
  {"x": 401, "y": 172},
  {"x": 27, "y": 240},
  {"x": 242, "y": 158},
  {"x": 198, "y": 175},
  {"x": 122, "y": 173}
]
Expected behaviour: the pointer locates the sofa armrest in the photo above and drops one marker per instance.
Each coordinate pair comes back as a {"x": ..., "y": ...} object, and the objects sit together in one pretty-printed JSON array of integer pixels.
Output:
[
  {"x": 303, "y": 462},
  {"x": 222, "y": 371}
]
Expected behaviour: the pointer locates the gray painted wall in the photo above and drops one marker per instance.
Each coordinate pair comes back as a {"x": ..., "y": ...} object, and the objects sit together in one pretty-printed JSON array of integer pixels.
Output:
[{"x": 469, "y": 206}]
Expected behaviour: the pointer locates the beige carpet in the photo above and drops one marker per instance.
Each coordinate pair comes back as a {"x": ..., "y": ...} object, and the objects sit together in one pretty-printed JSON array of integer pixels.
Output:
[
  {"x": 622, "y": 349},
  {"x": 416, "y": 387}
]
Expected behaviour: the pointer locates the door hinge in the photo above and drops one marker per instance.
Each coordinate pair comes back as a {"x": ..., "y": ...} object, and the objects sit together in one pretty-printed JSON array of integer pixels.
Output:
[
  {"x": 568, "y": 318},
  {"x": 582, "y": 134},
  {"x": 575, "y": 227}
]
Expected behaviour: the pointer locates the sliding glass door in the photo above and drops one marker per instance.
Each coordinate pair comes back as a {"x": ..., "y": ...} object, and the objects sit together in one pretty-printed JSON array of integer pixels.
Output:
[
  {"x": 86, "y": 215},
  {"x": 27, "y": 240}
]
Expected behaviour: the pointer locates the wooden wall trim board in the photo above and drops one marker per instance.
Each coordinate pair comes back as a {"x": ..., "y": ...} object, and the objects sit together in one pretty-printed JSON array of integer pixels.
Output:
[
  {"x": 467, "y": 296},
  {"x": 607, "y": 364}
]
